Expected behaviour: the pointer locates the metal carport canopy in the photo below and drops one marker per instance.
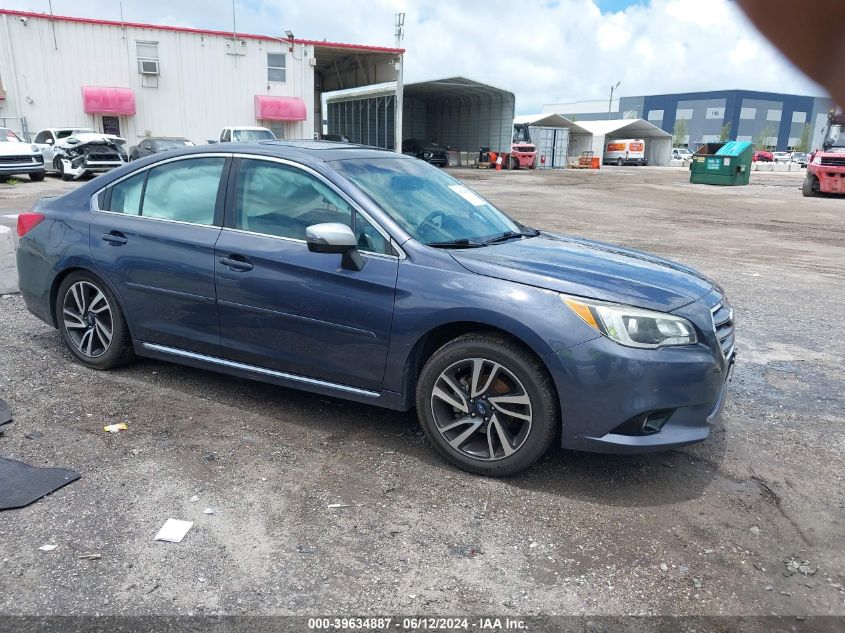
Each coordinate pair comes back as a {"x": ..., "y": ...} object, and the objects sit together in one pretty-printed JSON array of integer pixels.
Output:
[
  {"x": 658, "y": 145},
  {"x": 460, "y": 113}
]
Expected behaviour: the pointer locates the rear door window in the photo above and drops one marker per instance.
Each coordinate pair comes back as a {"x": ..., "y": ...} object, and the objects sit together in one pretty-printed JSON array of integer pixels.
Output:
[
  {"x": 126, "y": 195},
  {"x": 184, "y": 190}
]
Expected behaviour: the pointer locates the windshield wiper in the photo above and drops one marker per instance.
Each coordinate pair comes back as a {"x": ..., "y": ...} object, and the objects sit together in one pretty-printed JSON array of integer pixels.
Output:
[
  {"x": 460, "y": 243},
  {"x": 507, "y": 235}
]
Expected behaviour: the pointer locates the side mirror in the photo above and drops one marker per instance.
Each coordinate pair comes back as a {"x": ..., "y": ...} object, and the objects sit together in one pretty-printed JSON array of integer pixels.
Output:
[
  {"x": 333, "y": 237},
  {"x": 49, "y": 141}
]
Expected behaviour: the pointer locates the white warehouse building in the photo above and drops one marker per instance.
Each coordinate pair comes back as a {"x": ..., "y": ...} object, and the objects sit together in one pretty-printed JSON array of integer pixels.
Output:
[{"x": 138, "y": 80}]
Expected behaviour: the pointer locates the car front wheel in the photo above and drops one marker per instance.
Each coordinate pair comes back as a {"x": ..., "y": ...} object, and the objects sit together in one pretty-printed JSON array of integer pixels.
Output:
[
  {"x": 487, "y": 405},
  {"x": 91, "y": 322}
]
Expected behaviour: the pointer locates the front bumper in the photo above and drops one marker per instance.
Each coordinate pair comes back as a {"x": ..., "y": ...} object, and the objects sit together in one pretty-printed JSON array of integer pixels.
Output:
[
  {"x": 78, "y": 168},
  {"x": 607, "y": 391},
  {"x": 27, "y": 165}
]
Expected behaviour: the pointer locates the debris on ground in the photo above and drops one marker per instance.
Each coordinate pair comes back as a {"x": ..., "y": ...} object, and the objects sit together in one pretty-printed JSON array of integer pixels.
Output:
[
  {"x": 115, "y": 428},
  {"x": 5, "y": 413},
  {"x": 754, "y": 530},
  {"x": 194, "y": 499},
  {"x": 34, "y": 435},
  {"x": 664, "y": 567},
  {"x": 803, "y": 567},
  {"x": 697, "y": 582},
  {"x": 89, "y": 557},
  {"x": 48, "y": 547},
  {"x": 339, "y": 505},
  {"x": 173, "y": 530},
  {"x": 208, "y": 511},
  {"x": 22, "y": 484}
]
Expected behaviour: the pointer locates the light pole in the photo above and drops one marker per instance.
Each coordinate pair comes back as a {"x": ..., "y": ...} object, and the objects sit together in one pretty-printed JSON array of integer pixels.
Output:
[
  {"x": 400, "y": 88},
  {"x": 610, "y": 101}
]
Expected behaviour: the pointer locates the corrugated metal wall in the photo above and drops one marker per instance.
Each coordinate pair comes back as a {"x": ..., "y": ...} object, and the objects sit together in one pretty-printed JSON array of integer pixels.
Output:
[
  {"x": 369, "y": 121},
  {"x": 206, "y": 82}
]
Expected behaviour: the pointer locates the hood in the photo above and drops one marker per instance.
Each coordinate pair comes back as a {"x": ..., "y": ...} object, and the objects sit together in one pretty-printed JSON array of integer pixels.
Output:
[
  {"x": 589, "y": 269},
  {"x": 89, "y": 138},
  {"x": 16, "y": 149}
]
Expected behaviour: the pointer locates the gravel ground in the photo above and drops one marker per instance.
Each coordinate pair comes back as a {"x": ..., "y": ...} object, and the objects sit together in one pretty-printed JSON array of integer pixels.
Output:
[{"x": 749, "y": 522}]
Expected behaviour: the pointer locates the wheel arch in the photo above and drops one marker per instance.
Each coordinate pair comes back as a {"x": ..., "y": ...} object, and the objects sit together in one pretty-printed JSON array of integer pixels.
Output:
[
  {"x": 59, "y": 278},
  {"x": 437, "y": 336}
]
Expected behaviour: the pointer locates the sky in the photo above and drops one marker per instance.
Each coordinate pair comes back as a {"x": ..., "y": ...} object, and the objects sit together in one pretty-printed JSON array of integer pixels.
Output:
[{"x": 544, "y": 51}]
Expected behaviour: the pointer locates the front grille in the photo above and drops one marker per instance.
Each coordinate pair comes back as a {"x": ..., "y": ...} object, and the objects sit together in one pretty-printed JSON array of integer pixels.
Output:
[
  {"x": 16, "y": 160},
  {"x": 524, "y": 148},
  {"x": 833, "y": 161},
  {"x": 723, "y": 324}
]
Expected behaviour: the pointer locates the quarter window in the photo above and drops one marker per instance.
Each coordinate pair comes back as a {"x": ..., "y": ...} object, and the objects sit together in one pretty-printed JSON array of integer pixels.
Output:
[
  {"x": 283, "y": 201},
  {"x": 276, "y": 67},
  {"x": 184, "y": 190},
  {"x": 126, "y": 195}
]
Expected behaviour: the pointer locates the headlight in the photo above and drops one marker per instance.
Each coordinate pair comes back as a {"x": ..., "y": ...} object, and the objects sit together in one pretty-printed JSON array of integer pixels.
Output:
[
  {"x": 817, "y": 160},
  {"x": 631, "y": 326},
  {"x": 426, "y": 154}
]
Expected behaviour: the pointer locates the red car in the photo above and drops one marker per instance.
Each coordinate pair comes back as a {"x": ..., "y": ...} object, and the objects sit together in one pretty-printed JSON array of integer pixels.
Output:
[{"x": 762, "y": 156}]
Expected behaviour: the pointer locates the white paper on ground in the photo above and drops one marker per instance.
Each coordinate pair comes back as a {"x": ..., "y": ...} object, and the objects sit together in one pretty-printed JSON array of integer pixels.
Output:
[
  {"x": 174, "y": 530},
  {"x": 468, "y": 195}
]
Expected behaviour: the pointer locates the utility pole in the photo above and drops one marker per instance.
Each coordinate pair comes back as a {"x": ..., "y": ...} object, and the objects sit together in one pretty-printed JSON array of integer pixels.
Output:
[
  {"x": 610, "y": 101},
  {"x": 400, "y": 69}
]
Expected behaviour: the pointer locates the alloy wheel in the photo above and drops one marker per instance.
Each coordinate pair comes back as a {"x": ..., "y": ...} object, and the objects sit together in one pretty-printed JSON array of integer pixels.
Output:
[
  {"x": 88, "y": 319},
  {"x": 481, "y": 409}
]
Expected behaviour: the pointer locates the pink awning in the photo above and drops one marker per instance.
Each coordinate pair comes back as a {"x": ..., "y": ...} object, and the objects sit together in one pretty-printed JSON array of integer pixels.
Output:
[
  {"x": 279, "y": 108},
  {"x": 97, "y": 100}
]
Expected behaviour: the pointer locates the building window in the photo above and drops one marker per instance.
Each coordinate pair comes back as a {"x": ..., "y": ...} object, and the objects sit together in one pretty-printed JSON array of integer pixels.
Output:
[
  {"x": 684, "y": 113},
  {"x": 799, "y": 117},
  {"x": 748, "y": 113},
  {"x": 744, "y": 138},
  {"x": 709, "y": 138},
  {"x": 773, "y": 115},
  {"x": 147, "y": 58},
  {"x": 655, "y": 115},
  {"x": 715, "y": 113},
  {"x": 276, "y": 67}
]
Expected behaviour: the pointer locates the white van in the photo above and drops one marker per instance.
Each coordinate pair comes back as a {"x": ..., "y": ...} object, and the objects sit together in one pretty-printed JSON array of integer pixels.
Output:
[{"x": 624, "y": 151}]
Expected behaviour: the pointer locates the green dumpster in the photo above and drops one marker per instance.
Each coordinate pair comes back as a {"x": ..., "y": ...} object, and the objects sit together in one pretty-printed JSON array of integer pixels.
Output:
[{"x": 722, "y": 163}]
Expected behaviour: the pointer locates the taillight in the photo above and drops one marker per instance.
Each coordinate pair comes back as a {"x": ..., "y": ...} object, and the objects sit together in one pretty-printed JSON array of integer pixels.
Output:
[{"x": 28, "y": 221}]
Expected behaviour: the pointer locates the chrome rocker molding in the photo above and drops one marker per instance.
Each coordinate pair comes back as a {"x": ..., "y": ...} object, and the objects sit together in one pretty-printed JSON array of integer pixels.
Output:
[{"x": 213, "y": 360}]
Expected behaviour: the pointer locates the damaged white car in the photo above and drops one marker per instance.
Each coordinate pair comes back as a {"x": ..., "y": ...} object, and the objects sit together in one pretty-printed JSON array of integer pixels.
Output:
[{"x": 74, "y": 152}]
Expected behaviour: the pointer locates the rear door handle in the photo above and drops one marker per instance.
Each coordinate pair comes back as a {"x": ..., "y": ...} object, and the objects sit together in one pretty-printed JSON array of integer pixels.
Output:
[
  {"x": 236, "y": 263},
  {"x": 115, "y": 238}
]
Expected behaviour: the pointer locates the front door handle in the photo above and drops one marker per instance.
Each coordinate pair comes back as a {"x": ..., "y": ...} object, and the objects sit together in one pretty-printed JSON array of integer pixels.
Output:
[
  {"x": 115, "y": 238},
  {"x": 236, "y": 263}
]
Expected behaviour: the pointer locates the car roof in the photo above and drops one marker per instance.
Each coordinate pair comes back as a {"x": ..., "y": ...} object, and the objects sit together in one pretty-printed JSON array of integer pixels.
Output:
[
  {"x": 246, "y": 127},
  {"x": 306, "y": 151}
]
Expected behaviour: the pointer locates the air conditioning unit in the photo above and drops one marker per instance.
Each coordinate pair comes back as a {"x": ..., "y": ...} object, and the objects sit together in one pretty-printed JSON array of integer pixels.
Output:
[{"x": 148, "y": 66}]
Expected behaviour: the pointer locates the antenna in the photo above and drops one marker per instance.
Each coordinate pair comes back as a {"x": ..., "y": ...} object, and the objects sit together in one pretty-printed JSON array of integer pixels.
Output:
[
  {"x": 400, "y": 29},
  {"x": 234, "y": 24}
]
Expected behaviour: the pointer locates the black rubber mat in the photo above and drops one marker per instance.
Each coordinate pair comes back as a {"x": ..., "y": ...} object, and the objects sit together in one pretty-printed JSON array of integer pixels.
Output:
[
  {"x": 21, "y": 484},
  {"x": 5, "y": 413}
]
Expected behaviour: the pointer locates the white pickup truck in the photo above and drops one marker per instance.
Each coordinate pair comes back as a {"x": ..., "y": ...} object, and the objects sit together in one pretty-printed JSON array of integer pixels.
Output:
[{"x": 246, "y": 133}]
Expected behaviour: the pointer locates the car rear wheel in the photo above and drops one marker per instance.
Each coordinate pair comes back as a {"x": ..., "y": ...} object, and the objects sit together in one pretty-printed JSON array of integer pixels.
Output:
[
  {"x": 511, "y": 163},
  {"x": 619, "y": 162},
  {"x": 92, "y": 323},
  {"x": 487, "y": 405},
  {"x": 810, "y": 187}
]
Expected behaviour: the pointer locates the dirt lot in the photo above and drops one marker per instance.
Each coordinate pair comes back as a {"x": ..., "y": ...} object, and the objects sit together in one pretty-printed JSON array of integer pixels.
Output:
[{"x": 710, "y": 529}]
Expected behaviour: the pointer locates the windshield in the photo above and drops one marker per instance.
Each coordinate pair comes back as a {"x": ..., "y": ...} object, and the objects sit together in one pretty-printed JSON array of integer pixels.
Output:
[
  {"x": 430, "y": 205},
  {"x": 7, "y": 136},
  {"x": 520, "y": 134},
  {"x": 66, "y": 133},
  {"x": 166, "y": 144},
  {"x": 252, "y": 135},
  {"x": 836, "y": 136}
]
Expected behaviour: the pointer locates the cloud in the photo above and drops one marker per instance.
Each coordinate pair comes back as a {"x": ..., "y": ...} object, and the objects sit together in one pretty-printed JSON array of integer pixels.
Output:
[{"x": 542, "y": 51}]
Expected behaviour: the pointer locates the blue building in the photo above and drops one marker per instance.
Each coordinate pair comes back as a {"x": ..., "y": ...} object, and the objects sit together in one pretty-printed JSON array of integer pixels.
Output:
[{"x": 776, "y": 119}]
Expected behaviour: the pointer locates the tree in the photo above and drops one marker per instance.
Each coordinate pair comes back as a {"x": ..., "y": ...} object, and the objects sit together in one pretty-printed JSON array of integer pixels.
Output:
[
  {"x": 725, "y": 133},
  {"x": 679, "y": 133},
  {"x": 761, "y": 140},
  {"x": 804, "y": 142}
]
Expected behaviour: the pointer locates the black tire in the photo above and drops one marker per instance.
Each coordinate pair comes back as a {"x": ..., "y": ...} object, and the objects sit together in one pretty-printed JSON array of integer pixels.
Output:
[
  {"x": 511, "y": 163},
  {"x": 119, "y": 350},
  {"x": 37, "y": 176},
  {"x": 619, "y": 162},
  {"x": 810, "y": 187},
  {"x": 530, "y": 373},
  {"x": 61, "y": 169}
]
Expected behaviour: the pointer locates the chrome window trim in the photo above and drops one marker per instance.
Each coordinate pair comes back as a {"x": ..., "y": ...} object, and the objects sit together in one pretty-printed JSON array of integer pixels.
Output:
[
  {"x": 173, "y": 351},
  {"x": 355, "y": 206},
  {"x": 299, "y": 241}
]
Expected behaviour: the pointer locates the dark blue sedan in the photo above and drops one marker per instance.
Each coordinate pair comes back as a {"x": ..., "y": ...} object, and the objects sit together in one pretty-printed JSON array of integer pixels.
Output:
[{"x": 364, "y": 274}]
